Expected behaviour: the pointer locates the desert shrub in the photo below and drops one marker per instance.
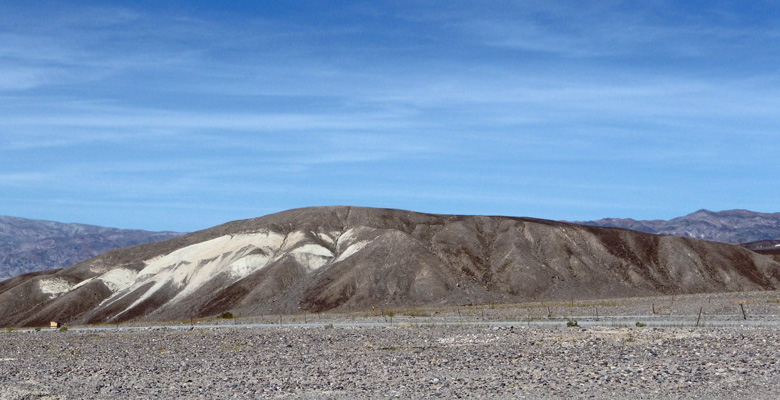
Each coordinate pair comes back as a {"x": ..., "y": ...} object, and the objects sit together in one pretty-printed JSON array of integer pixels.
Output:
[
  {"x": 414, "y": 312},
  {"x": 37, "y": 328},
  {"x": 226, "y": 315},
  {"x": 63, "y": 329},
  {"x": 572, "y": 324},
  {"x": 641, "y": 324}
]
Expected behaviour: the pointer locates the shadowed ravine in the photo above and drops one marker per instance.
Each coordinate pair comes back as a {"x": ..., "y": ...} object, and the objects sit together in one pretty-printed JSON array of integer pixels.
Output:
[{"x": 325, "y": 258}]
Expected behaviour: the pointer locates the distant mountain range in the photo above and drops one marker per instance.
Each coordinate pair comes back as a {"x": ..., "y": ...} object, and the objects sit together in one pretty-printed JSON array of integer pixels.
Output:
[
  {"x": 731, "y": 226},
  {"x": 353, "y": 258},
  {"x": 28, "y": 245}
]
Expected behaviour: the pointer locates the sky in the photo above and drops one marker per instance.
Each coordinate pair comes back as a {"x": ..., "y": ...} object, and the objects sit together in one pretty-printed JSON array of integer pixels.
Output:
[{"x": 183, "y": 115}]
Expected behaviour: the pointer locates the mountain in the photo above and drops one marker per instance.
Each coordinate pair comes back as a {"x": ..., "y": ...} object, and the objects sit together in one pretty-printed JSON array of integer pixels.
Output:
[
  {"x": 325, "y": 258},
  {"x": 732, "y": 226},
  {"x": 28, "y": 245}
]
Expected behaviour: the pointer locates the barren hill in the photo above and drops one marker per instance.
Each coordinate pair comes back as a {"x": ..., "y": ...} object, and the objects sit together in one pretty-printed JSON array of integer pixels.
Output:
[
  {"x": 28, "y": 245},
  {"x": 323, "y": 258}
]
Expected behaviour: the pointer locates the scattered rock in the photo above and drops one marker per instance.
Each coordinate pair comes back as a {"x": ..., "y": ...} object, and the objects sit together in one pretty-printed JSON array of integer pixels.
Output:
[{"x": 403, "y": 362}]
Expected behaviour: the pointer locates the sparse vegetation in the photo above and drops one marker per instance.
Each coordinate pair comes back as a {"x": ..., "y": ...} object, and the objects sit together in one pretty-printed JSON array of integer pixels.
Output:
[
  {"x": 226, "y": 315},
  {"x": 63, "y": 329},
  {"x": 415, "y": 312},
  {"x": 572, "y": 323},
  {"x": 640, "y": 324}
]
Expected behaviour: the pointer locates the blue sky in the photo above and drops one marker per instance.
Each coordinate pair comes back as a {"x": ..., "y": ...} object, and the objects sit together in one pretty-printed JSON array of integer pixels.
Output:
[{"x": 184, "y": 115}]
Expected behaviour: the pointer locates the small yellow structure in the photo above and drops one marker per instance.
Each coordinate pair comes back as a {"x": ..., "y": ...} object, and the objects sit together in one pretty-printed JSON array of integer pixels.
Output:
[{"x": 54, "y": 324}]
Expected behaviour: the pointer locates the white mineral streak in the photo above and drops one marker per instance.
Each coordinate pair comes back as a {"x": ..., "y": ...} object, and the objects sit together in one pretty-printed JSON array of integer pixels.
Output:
[
  {"x": 243, "y": 267},
  {"x": 292, "y": 239},
  {"x": 231, "y": 257},
  {"x": 326, "y": 237},
  {"x": 54, "y": 286},
  {"x": 191, "y": 267},
  {"x": 312, "y": 256},
  {"x": 115, "y": 280},
  {"x": 344, "y": 239},
  {"x": 346, "y": 245},
  {"x": 82, "y": 283},
  {"x": 351, "y": 249},
  {"x": 118, "y": 279}
]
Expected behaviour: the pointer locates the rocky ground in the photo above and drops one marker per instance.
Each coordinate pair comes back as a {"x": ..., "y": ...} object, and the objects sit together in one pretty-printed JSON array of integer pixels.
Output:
[
  {"x": 400, "y": 361},
  {"x": 489, "y": 351}
]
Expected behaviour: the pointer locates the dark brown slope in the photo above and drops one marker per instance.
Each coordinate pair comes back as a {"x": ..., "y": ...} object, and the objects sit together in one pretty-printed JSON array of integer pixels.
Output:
[
  {"x": 763, "y": 245},
  {"x": 324, "y": 258},
  {"x": 769, "y": 248}
]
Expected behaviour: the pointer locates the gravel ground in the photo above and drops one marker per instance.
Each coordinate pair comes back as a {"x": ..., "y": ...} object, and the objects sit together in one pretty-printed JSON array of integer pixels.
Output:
[{"x": 402, "y": 361}]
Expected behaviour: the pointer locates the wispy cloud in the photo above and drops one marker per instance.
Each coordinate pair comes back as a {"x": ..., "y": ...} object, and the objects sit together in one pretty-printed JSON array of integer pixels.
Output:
[
  {"x": 199, "y": 121},
  {"x": 552, "y": 106},
  {"x": 23, "y": 178},
  {"x": 613, "y": 29}
]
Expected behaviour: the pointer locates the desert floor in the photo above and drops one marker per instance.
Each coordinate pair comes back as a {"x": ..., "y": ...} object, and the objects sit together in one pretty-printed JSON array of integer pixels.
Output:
[{"x": 490, "y": 351}]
